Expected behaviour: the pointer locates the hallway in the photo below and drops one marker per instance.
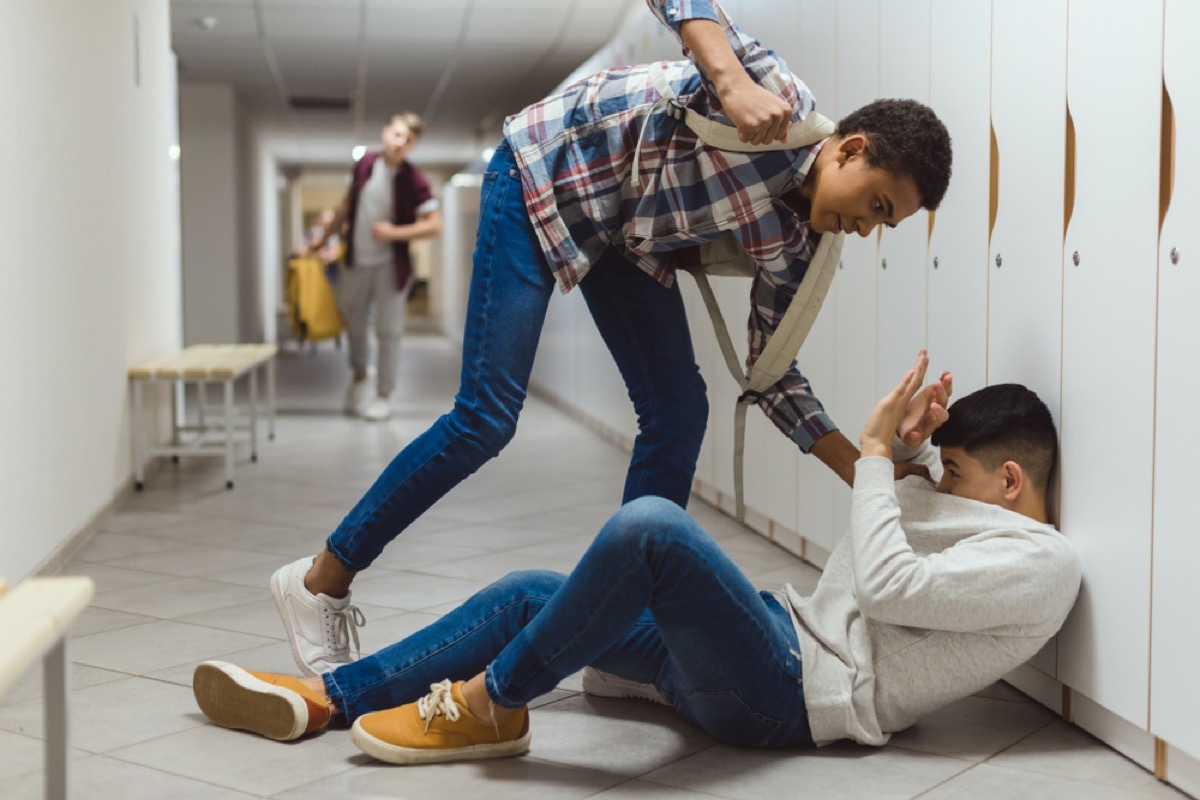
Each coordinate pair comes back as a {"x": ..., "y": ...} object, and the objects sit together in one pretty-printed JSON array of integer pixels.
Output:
[{"x": 181, "y": 573}]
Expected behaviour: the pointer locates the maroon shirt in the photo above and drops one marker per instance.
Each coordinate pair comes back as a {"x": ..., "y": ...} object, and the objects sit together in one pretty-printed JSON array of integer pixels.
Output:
[{"x": 410, "y": 189}]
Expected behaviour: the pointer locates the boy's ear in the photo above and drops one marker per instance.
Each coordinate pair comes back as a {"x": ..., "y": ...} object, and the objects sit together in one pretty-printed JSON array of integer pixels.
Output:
[
  {"x": 1015, "y": 480},
  {"x": 854, "y": 144}
]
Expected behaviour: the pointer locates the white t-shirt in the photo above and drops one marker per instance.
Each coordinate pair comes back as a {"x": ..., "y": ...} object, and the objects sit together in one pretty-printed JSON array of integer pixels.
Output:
[{"x": 374, "y": 204}]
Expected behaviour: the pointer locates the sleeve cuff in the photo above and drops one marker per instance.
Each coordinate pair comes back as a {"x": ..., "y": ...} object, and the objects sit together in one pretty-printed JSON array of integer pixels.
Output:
[
  {"x": 874, "y": 474},
  {"x": 810, "y": 430},
  {"x": 676, "y": 11}
]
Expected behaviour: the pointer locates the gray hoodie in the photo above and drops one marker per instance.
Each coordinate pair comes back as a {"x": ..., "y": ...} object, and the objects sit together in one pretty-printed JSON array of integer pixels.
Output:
[{"x": 928, "y": 598}]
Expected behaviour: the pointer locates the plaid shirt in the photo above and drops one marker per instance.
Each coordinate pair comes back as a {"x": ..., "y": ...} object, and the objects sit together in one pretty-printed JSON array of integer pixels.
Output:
[{"x": 577, "y": 152}]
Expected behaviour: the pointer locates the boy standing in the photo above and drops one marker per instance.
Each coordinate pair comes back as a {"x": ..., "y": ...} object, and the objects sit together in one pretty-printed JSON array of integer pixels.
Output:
[
  {"x": 389, "y": 204},
  {"x": 600, "y": 186}
]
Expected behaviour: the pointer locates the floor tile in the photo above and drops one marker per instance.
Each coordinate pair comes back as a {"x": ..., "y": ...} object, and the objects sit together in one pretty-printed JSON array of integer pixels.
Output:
[
  {"x": 974, "y": 728},
  {"x": 175, "y": 597},
  {"x": 836, "y": 772},
  {"x": 1064, "y": 750},
  {"x": 104, "y": 778},
  {"x": 411, "y": 591},
  {"x": 157, "y": 645},
  {"x": 31, "y": 686},
  {"x": 244, "y": 761},
  {"x": 502, "y": 779},
  {"x": 617, "y": 736},
  {"x": 114, "y": 714},
  {"x": 986, "y": 782}
]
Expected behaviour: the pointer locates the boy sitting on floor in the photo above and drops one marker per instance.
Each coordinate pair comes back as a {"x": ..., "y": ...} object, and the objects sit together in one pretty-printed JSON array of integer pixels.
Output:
[{"x": 933, "y": 594}]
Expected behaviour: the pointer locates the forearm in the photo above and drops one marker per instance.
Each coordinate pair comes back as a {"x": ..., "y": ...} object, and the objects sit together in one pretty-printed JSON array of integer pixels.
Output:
[
  {"x": 837, "y": 453},
  {"x": 710, "y": 48},
  {"x": 426, "y": 227}
]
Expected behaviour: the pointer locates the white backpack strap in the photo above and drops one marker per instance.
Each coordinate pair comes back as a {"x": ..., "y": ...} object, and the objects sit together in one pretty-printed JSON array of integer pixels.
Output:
[
  {"x": 777, "y": 357},
  {"x": 810, "y": 130},
  {"x": 785, "y": 343}
]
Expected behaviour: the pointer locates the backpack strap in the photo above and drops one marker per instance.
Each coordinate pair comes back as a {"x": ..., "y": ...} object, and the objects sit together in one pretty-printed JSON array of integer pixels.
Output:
[{"x": 781, "y": 349}]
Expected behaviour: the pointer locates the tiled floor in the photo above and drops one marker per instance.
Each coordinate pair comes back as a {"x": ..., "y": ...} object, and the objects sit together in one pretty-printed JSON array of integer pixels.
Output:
[{"x": 181, "y": 576}]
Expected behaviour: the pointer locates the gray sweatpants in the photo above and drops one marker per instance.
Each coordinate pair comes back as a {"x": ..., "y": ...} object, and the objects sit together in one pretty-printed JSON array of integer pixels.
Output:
[{"x": 359, "y": 289}]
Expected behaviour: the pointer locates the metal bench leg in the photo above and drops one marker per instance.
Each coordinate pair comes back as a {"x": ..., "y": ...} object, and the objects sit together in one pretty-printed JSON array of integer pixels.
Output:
[
  {"x": 201, "y": 404},
  {"x": 58, "y": 756},
  {"x": 253, "y": 415},
  {"x": 139, "y": 437},
  {"x": 229, "y": 433}
]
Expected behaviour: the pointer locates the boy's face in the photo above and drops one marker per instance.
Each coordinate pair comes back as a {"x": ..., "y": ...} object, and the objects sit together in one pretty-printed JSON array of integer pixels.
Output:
[
  {"x": 964, "y": 475},
  {"x": 397, "y": 141},
  {"x": 850, "y": 195}
]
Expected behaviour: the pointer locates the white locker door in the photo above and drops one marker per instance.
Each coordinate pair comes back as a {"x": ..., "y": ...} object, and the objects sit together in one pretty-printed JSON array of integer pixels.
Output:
[
  {"x": 960, "y": 76},
  {"x": 816, "y": 64},
  {"x": 1114, "y": 91},
  {"x": 900, "y": 327},
  {"x": 1029, "y": 94},
  {"x": 1174, "y": 701},
  {"x": 855, "y": 304}
]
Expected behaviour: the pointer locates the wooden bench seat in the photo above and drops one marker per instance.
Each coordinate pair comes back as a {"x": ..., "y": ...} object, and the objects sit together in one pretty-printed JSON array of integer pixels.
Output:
[{"x": 201, "y": 365}]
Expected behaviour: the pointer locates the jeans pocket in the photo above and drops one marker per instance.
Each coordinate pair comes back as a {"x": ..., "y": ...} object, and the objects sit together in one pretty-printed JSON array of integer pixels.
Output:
[{"x": 489, "y": 183}]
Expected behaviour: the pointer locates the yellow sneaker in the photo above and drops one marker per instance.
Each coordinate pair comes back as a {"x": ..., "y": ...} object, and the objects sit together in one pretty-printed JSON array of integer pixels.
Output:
[
  {"x": 438, "y": 727},
  {"x": 276, "y": 706}
]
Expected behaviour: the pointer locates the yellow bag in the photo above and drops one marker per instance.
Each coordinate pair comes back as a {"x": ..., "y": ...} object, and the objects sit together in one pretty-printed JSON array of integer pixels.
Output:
[{"x": 312, "y": 307}]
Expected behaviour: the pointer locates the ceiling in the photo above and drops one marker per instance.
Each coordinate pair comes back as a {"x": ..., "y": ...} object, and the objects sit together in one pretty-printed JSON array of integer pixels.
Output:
[{"x": 462, "y": 64}]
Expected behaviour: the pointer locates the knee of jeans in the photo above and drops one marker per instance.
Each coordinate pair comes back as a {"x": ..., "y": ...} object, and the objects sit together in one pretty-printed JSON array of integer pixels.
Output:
[
  {"x": 487, "y": 432},
  {"x": 532, "y": 586},
  {"x": 691, "y": 413},
  {"x": 646, "y": 520}
]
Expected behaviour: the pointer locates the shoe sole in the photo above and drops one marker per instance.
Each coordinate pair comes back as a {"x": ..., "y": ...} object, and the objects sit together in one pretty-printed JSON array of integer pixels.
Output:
[
  {"x": 600, "y": 684},
  {"x": 395, "y": 754},
  {"x": 289, "y": 624},
  {"x": 233, "y": 698}
]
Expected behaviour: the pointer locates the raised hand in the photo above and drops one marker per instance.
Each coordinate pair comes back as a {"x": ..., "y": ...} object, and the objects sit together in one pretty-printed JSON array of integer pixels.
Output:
[
  {"x": 884, "y": 420},
  {"x": 926, "y": 411}
]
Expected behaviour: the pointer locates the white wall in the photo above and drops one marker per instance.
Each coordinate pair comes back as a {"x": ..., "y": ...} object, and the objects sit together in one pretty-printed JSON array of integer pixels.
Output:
[
  {"x": 208, "y": 125},
  {"x": 91, "y": 261}
]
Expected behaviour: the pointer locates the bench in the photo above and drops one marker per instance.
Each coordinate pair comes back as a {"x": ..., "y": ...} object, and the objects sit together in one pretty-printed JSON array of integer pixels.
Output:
[
  {"x": 34, "y": 618},
  {"x": 202, "y": 365}
]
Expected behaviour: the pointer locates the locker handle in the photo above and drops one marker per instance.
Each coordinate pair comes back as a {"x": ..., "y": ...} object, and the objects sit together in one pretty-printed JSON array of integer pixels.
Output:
[
  {"x": 1069, "y": 173},
  {"x": 993, "y": 182},
  {"x": 1166, "y": 169}
]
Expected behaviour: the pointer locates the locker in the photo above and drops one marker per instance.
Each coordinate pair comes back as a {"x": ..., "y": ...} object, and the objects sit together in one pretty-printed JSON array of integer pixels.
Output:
[
  {"x": 1175, "y": 643},
  {"x": 1108, "y": 346},
  {"x": 958, "y": 241}
]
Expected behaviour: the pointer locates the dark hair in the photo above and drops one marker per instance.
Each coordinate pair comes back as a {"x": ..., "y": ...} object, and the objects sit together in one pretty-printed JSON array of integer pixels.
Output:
[
  {"x": 1005, "y": 422},
  {"x": 908, "y": 140}
]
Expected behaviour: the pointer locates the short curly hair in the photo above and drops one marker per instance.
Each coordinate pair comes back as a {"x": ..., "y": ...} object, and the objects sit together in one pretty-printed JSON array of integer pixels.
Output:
[{"x": 907, "y": 139}]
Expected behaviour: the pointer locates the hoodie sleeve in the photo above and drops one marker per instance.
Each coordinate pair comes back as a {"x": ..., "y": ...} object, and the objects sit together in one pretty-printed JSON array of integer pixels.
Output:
[{"x": 1004, "y": 580}]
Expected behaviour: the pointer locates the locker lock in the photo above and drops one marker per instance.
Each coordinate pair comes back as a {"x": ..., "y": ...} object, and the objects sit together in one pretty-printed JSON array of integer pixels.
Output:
[
  {"x": 885, "y": 263},
  {"x": 1075, "y": 258},
  {"x": 935, "y": 262},
  {"x": 998, "y": 261},
  {"x": 1174, "y": 255}
]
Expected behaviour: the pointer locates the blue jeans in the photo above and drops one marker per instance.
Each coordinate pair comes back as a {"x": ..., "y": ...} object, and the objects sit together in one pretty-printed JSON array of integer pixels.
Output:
[
  {"x": 642, "y": 323},
  {"x": 654, "y": 600}
]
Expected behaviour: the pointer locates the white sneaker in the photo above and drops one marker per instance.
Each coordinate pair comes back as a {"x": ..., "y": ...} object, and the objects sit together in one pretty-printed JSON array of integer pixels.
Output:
[
  {"x": 377, "y": 410},
  {"x": 605, "y": 684},
  {"x": 357, "y": 397},
  {"x": 319, "y": 627}
]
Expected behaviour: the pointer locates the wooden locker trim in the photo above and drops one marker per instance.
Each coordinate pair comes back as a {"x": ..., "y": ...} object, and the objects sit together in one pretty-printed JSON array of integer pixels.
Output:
[
  {"x": 1069, "y": 173},
  {"x": 1160, "y": 759},
  {"x": 993, "y": 181},
  {"x": 1166, "y": 170},
  {"x": 929, "y": 233}
]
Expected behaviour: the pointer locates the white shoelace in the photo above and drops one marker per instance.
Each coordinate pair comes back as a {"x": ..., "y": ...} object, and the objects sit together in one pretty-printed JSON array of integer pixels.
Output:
[
  {"x": 438, "y": 701},
  {"x": 345, "y": 624}
]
